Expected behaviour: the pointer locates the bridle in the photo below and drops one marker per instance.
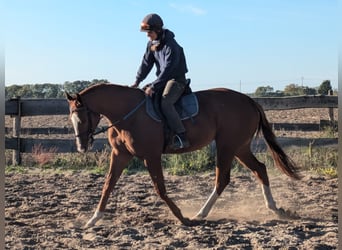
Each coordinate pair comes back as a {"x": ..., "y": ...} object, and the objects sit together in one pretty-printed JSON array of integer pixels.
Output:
[{"x": 91, "y": 131}]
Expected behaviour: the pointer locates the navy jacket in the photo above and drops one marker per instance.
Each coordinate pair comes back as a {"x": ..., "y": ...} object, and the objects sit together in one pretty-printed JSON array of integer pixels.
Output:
[{"x": 169, "y": 59}]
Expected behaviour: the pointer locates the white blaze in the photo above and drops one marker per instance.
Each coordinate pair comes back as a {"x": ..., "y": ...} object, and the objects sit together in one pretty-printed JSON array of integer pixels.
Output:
[{"x": 75, "y": 122}]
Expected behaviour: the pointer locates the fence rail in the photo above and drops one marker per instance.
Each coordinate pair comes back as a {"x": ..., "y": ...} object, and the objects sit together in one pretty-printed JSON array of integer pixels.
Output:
[
  {"x": 34, "y": 107},
  {"x": 18, "y": 108}
]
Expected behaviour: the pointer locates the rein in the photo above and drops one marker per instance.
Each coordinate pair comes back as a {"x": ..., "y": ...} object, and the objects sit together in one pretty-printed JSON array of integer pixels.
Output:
[{"x": 105, "y": 128}]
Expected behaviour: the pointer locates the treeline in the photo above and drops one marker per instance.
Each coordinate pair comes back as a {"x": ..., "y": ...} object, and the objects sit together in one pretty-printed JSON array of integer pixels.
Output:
[
  {"x": 48, "y": 90},
  {"x": 293, "y": 90}
]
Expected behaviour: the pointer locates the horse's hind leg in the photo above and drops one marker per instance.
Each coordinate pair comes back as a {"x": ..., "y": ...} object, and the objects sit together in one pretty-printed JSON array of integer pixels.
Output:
[
  {"x": 246, "y": 157},
  {"x": 224, "y": 161},
  {"x": 117, "y": 163},
  {"x": 156, "y": 173}
]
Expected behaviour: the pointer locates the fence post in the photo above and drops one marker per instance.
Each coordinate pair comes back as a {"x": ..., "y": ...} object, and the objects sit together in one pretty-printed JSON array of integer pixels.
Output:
[
  {"x": 331, "y": 110},
  {"x": 16, "y": 157}
]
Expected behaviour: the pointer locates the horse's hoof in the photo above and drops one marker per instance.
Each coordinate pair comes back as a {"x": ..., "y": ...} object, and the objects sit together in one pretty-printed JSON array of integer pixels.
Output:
[
  {"x": 287, "y": 214},
  {"x": 196, "y": 222},
  {"x": 280, "y": 211},
  {"x": 191, "y": 222},
  {"x": 97, "y": 215},
  {"x": 186, "y": 222},
  {"x": 89, "y": 225},
  {"x": 198, "y": 217}
]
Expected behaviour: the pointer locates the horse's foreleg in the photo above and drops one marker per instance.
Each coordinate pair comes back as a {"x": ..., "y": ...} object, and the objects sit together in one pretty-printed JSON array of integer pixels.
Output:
[
  {"x": 117, "y": 164},
  {"x": 156, "y": 173}
]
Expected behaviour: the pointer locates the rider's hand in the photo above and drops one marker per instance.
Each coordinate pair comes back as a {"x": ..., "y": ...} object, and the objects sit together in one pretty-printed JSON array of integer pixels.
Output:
[
  {"x": 135, "y": 85},
  {"x": 149, "y": 91},
  {"x": 146, "y": 86}
]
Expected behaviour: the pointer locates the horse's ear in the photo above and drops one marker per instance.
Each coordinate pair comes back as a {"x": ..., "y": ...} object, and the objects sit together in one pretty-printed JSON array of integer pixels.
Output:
[
  {"x": 69, "y": 97},
  {"x": 78, "y": 100}
]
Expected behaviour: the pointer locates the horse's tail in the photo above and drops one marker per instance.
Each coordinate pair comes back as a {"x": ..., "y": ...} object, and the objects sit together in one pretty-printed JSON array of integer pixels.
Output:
[{"x": 282, "y": 161}]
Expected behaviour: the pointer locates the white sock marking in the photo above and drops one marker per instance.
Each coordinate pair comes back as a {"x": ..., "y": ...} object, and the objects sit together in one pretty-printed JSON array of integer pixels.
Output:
[
  {"x": 208, "y": 205},
  {"x": 97, "y": 215},
  {"x": 270, "y": 203}
]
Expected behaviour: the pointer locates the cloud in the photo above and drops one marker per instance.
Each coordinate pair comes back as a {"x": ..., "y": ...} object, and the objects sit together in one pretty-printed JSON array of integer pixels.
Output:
[{"x": 189, "y": 8}]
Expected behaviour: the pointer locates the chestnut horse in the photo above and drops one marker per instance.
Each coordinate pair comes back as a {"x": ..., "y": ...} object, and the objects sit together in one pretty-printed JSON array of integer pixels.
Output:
[{"x": 230, "y": 118}]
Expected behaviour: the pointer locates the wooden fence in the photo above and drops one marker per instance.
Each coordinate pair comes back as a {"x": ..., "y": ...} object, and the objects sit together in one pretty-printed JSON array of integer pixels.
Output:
[{"x": 17, "y": 108}]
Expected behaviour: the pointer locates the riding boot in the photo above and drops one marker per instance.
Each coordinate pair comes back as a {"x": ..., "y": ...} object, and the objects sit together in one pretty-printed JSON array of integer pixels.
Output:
[{"x": 180, "y": 141}]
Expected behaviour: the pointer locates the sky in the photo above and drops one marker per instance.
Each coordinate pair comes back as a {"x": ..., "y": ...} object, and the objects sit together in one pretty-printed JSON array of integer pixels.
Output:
[{"x": 236, "y": 44}]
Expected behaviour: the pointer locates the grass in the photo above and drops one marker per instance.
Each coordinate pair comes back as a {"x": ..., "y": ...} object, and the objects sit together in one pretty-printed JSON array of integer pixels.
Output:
[
  {"x": 330, "y": 132},
  {"x": 43, "y": 156},
  {"x": 189, "y": 163},
  {"x": 316, "y": 159}
]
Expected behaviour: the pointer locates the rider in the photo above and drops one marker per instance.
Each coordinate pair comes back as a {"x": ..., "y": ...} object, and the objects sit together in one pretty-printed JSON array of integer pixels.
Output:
[{"x": 168, "y": 56}]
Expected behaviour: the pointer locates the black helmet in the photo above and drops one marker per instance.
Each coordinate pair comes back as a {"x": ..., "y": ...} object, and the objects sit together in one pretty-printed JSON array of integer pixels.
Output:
[{"x": 152, "y": 22}]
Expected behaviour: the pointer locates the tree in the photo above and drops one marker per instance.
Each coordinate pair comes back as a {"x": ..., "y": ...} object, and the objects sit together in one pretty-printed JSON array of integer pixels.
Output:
[
  {"x": 97, "y": 81},
  {"x": 325, "y": 87},
  {"x": 293, "y": 89},
  {"x": 263, "y": 91},
  {"x": 77, "y": 86},
  {"x": 52, "y": 90},
  {"x": 25, "y": 91},
  {"x": 309, "y": 91},
  {"x": 48, "y": 90},
  {"x": 37, "y": 91},
  {"x": 12, "y": 91}
]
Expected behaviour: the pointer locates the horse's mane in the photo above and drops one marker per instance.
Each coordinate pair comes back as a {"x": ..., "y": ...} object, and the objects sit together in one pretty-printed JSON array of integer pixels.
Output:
[{"x": 92, "y": 88}]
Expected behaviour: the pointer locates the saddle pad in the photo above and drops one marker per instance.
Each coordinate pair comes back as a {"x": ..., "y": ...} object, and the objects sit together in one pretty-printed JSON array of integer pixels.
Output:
[{"x": 186, "y": 106}]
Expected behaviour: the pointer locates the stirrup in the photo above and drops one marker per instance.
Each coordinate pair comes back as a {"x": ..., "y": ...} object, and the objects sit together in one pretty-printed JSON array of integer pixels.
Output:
[{"x": 179, "y": 144}]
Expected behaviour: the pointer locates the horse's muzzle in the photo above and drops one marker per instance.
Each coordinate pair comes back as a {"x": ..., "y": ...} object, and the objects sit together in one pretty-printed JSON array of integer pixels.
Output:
[{"x": 83, "y": 147}]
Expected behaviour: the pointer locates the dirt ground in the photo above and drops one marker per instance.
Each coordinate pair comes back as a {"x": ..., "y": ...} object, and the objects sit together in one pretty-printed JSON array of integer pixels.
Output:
[{"x": 49, "y": 211}]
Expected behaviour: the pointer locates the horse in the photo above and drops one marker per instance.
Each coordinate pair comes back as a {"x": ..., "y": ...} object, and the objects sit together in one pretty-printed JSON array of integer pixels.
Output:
[{"x": 228, "y": 117}]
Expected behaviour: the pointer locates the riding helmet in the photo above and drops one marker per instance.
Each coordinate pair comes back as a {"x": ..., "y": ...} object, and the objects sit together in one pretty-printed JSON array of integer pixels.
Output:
[{"x": 152, "y": 22}]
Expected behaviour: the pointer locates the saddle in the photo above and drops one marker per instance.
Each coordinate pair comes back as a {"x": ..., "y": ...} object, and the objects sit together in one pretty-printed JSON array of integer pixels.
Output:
[{"x": 186, "y": 106}]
